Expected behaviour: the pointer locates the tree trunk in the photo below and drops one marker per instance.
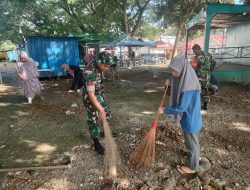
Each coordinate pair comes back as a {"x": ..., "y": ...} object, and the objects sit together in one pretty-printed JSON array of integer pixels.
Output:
[
  {"x": 126, "y": 23},
  {"x": 177, "y": 37},
  {"x": 139, "y": 18},
  {"x": 126, "y": 30}
]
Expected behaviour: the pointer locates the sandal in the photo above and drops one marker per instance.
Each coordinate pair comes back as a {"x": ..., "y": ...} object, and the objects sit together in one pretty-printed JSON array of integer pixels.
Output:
[{"x": 185, "y": 170}]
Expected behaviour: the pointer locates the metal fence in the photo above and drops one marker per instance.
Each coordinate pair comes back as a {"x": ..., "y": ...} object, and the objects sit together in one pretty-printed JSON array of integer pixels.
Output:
[{"x": 230, "y": 52}]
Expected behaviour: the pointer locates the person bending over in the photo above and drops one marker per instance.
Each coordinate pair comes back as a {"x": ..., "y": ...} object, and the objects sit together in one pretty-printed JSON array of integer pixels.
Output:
[{"x": 76, "y": 73}]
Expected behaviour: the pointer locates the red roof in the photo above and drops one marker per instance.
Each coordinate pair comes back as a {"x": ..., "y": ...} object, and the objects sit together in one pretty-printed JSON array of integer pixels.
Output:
[
  {"x": 162, "y": 45},
  {"x": 216, "y": 40}
]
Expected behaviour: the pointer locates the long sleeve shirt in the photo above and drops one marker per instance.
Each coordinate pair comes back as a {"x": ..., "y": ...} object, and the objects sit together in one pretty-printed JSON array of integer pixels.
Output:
[
  {"x": 189, "y": 107},
  {"x": 76, "y": 69}
]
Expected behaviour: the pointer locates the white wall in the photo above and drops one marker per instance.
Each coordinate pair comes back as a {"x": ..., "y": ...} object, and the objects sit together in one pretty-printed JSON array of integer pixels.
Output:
[{"x": 237, "y": 36}]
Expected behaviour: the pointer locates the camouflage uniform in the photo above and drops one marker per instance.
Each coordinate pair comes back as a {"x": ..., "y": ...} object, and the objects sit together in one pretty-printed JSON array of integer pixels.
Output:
[
  {"x": 205, "y": 64},
  {"x": 93, "y": 81}
]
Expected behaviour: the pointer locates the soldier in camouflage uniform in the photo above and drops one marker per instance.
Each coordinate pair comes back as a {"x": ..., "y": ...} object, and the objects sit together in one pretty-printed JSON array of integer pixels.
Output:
[
  {"x": 203, "y": 68},
  {"x": 93, "y": 97}
]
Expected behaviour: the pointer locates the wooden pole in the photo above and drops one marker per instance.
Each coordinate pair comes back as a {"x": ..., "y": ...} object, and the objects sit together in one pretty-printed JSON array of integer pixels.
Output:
[{"x": 1, "y": 80}]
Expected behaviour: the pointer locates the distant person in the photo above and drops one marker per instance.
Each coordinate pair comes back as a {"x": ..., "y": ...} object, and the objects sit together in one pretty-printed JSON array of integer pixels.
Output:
[
  {"x": 203, "y": 65},
  {"x": 114, "y": 65},
  {"x": 76, "y": 73},
  {"x": 133, "y": 57},
  {"x": 185, "y": 106},
  {"x": 132, "y": 54},
  {"x": 88, "y": 59},
  {"x": 214, "y": 85},
  {"x": 28, "y": 73}
]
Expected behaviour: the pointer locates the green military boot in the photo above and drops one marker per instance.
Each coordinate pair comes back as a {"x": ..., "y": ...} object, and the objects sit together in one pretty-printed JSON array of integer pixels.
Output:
[
  {"x": 204, "y": 107},
  {"x": 98, "y": 146}
]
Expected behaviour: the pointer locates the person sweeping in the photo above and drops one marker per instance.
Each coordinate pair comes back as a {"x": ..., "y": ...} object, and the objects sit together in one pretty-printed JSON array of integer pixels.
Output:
[
  {"x": 185, "y": 106},
  {"x": 144, "y": 154},
  {"x": 94, "y": 99}
]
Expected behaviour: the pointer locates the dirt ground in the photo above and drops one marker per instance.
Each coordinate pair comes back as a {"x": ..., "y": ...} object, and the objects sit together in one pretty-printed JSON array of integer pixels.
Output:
[{"x": 42, "y": 134}]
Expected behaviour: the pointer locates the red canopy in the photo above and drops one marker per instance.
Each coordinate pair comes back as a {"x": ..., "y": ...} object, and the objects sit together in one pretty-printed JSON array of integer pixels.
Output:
[{"x": 162, "y": 45}]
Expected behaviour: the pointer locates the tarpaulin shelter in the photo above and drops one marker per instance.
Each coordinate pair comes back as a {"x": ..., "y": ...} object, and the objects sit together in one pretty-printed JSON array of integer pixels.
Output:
[
  {"x": 161, "y": 47},
  {"x": 127, "y": 41},
  {"x": 214, "y": 16}
]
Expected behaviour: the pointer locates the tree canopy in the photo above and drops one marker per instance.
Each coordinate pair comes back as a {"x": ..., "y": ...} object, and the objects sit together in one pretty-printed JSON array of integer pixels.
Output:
[
  {"x": 143, "y": 18},
  {"x": 61, "y": 17},
  {"x": 177, "y": 13},
  {"x": 7, "y": 45}
]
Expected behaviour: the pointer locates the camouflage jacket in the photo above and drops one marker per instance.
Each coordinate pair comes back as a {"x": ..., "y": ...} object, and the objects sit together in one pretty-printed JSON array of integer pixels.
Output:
[
  {"x": 93, "y": 79},
  {"x": 205, "y": 65}
]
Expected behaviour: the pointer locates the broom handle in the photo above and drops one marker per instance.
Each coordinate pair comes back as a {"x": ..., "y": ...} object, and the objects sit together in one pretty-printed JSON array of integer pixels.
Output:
[{"x": 162, "y": 100}]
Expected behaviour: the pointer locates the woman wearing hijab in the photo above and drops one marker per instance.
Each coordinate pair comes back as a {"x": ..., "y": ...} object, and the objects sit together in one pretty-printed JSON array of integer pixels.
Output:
[
  {"x": 28, "y": 73},
  {"x": 185, "y": 106},
  {"x": 88, "y": 59}
]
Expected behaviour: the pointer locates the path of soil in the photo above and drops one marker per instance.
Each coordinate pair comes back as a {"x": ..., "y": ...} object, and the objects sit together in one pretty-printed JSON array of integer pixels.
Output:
[{"x": 42, "y": 134}]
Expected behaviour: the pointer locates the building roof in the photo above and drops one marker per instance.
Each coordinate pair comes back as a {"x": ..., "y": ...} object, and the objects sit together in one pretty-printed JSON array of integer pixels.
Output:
[
  {"x": 162, "y": 45},
  {"x": 223, "y": 16},
  {"x": 216, "y": 40}
]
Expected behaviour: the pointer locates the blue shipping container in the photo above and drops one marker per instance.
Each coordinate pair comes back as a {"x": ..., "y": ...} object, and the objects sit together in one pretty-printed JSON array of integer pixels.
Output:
[{"x": 52, "y": 52}]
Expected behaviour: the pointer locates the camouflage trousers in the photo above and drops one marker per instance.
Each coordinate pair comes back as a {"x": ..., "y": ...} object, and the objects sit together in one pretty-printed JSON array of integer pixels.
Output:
[
  {"x": 205, "y": 96},
  {"x": 92, "y": 114}
]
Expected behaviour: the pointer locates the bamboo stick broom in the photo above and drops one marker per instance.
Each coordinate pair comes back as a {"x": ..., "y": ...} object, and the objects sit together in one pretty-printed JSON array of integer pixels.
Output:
[
  {"x": 144, "y": 154},
  {"x": 111, "y": 157}
]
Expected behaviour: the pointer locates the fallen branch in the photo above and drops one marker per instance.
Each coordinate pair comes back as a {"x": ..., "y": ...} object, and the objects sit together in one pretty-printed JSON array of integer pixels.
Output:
[
  {"x": 222, "y": 97},
  {"x": 20, "y": 177},
  {"x": 161, "y": 143},
  {"x": 36, "y": 168}
]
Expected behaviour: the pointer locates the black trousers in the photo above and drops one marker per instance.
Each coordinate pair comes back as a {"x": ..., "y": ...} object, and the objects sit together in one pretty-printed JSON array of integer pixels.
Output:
[{"x": 77, "y": 81}]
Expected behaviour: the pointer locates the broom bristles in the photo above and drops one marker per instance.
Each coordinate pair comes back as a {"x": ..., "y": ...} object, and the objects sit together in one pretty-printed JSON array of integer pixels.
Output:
[
  {"x": 112, "y": 158},
  {"x": 144, "y": 154}
]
